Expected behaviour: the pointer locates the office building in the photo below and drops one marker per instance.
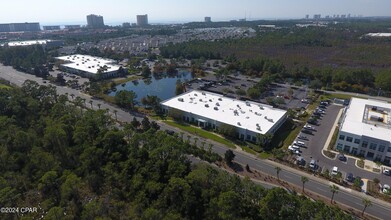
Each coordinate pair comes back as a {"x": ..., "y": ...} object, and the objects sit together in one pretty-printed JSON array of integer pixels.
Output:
[
  {"x": 20, "y": 27},
  {"x": 365, "y": 130},
  {"x": 208, "y": 19},
  {"x": 142, "y": 20},
  {"x": 95, "y": 21},
  {"x": 89, "y": 66},
  {"x": 72, "y": 26},
  {"x": 126, "y": 25},
  {"x": 210, "y": 110},
  {"x": 51, "y": 28}
]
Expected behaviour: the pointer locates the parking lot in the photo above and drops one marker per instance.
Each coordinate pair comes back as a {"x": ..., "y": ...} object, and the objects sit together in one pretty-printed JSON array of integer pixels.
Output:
[
  {"x": 315, "y": 141},
  {"x": 233, "y": 87}
]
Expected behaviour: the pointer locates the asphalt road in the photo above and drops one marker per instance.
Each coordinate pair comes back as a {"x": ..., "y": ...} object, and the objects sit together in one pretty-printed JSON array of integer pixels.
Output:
[{"x": 353, "y": 199}]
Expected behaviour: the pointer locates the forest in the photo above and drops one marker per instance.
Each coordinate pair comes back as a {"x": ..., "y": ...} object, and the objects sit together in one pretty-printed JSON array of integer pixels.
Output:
[
  {"x": 75, "y": 163},
  {"x": 337, "y": 57}
]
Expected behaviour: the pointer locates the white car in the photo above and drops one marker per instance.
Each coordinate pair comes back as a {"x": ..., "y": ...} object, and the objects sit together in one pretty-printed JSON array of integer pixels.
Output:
[
  {"x": 387, "y": 172},
  {"x": 334, "y": 171},
  {"x": 294, "y": 149},
  {"x": 386, "y": 188},
  {"x": 299, "y": 143}
]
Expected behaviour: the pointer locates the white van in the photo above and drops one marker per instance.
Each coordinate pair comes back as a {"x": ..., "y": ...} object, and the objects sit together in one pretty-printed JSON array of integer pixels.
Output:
[{"x": 334, "y": 171}]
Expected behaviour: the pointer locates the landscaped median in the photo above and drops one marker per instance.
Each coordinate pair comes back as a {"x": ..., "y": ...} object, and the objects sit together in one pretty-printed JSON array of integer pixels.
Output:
[{"x": 200, "y": 132}]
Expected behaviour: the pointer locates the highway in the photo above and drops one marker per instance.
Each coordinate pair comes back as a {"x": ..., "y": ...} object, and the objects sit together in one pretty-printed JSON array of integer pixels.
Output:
[{"x": 379, "y": 209}]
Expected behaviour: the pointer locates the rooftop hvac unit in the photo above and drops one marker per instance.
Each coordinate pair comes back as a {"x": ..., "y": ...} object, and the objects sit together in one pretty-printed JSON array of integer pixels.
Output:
[
  {"x": 215, "y": 108},
  {"x": 210, "y": 100},
  {"x": 203, "y": 93},
  {"x": 220, "y": 99},
  {"x": 180, "y": 99},
  {"x": 195, "y": 95},
  {"x": 239, "y": 124},
  {"x": 248, "y": 104},
  {"x": 206, "y": 105},
  {"x": 217, "y": 104}
]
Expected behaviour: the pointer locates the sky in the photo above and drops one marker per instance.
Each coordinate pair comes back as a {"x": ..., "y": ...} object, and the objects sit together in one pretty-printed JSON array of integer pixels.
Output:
[{"x": 177, "y": 11}]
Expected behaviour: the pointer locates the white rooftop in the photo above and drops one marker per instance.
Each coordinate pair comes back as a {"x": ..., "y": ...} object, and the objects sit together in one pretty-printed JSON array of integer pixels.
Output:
[
  {"x": 361, "y": 119},
  {"x": 379, "y": 34},
  {"x": 242, "y": 114},
  {"x": 88, "y": 63},
  {"x": 27, "y": 43}
]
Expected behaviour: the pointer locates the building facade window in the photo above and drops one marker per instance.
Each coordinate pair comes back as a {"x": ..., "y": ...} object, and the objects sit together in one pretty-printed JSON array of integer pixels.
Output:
[
  {"x": 342, "y": 137},
  {"x": 357, "y": 141},
  {"x": 339, "y": 146},
  {"x": 381, "y": 148},
  {"x": 373, "y": 146},
  {"x": 364, "y": 144},
  {"x": 362, "y": 152},
  {"x": 389, "y": 149},
  {"x": 378, "y": 157},
  {"x": 349, "y": 139}
]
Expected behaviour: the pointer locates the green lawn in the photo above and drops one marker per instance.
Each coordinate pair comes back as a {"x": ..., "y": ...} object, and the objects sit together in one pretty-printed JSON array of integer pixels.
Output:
[
  {"x": 248, "y": 150},
  {"x": 2, "y": 86},
  {"x": 338, "y": 96},
  {"x": 264, "y": 155},
  {"x": 200, "y": 132}
]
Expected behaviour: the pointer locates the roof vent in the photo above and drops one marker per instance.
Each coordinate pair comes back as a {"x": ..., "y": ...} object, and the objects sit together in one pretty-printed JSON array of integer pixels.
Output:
[
  {"x": 248, "y": 103},
  {"x": 220, "y": 99},
  {"x": 206, "y": 105},
  {"x": 203, "y": 93},
  {"x": 215, "y": 108},
  {"x": 239, "y": 124},
  {"x": 180, "y": 99},
  {"x": 217, "y": 104}
]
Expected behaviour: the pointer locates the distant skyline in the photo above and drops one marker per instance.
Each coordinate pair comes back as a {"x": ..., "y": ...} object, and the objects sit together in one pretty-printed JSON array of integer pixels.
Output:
[{"x": 177, "y": 11}]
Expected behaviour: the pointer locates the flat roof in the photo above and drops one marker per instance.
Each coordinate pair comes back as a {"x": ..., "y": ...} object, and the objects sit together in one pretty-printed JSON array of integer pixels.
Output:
[
  {"x": 27, "y": 43},
  {"x": 368, "y": 117},
  {"x": 379, "y": 34},
  {"x": 256, "y": 117},
  {"x": 88, "y": 63}
]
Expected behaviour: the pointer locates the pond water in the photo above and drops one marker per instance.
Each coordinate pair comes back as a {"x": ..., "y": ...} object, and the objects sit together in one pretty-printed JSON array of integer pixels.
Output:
[{"x": 161, "y": 85}]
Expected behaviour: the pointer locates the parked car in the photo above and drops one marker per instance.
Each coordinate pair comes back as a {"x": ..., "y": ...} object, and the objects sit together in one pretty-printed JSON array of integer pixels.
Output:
[
  {"x": 170, "y": 132},
  {"x": 309, "y": 127},
  {"x": 313, "y": 164},
  {"x": 300, "y": 161},
  {"x": 387, "y": 172},
  {"x": 294, "y": 149},
  {"x": 386, "y": 188},
  {"x": 302, "y": 137},
  {"x": 299, "y": 143},
  {"x": 306, "y": 131},
  {"x": 334, "y": 171},
  {"x": 342, "y": 157},
  {"x": 349, "y": 177}
]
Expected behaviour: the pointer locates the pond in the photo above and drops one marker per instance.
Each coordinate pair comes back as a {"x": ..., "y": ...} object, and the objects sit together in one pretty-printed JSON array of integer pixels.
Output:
[{"x": 160, "y": 85}]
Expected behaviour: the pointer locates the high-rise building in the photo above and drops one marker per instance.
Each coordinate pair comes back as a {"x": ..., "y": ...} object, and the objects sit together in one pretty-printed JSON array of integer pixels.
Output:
[
  {"x": 317, "y": 16},
  {"x": 20, "y": 27},
  {"x": 95, "y": 21},
  {"x": 208, "y": 19},
  {"x": 126, "y": 25},
  {"x": 307, "y": 16},
  {"x": 142, "y": 20}
]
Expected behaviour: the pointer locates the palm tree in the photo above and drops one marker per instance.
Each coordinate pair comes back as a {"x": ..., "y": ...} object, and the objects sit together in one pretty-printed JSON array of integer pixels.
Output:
[
  {"x": 115, "y": 113},
  {"x": 203, "y": 145},
  {"x": 278, "y": 170},
  {"x": 195, "y": 141},
  {"x": 99, "y": 105},
  {"x": 304, "y": 179},
  {"x": 210, "y": 148},
  {"x": 91, "y": 103},
  {"x": 182, "y": 133},
  {"x": 334, "y": 189},
  {"x": 366, "y": 202}
]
